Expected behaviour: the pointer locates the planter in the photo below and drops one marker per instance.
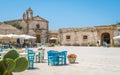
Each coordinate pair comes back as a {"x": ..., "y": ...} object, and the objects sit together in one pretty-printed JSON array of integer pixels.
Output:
[{"x": 71, "y": 60}]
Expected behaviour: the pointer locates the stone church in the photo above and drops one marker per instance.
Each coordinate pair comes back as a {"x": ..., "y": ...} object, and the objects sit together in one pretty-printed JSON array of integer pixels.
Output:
[{"x": 31, "y": 25}]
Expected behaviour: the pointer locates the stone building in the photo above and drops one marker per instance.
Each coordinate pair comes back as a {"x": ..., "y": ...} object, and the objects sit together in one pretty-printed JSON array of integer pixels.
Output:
[
  {"x": 88, "y": 35},
  {"x": 81, "y": 36}
]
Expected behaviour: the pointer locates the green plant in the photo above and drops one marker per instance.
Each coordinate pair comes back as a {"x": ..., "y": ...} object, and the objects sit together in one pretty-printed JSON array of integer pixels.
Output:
[
  {"x": 15, "y": 24},
  {"x": 92, "y": 44},
  {"x": 11, "y": 62}
]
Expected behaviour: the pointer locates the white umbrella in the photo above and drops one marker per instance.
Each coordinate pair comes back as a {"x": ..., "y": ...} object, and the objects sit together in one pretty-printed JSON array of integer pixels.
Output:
[
  {"x": 53, "y": 38},
  {"x": 116, "y": 37},
  {"x": 27, "y": 36},
  {"x": 14, "y": 36}
]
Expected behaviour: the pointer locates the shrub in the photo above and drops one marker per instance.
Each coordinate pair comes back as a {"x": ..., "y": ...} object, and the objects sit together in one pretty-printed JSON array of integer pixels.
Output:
[
  {"x": 15, "y": 24},
  {"x": 108, "y": 45},
  {"x": 92, "y": 44},
  {"x": 117, "y": 45}
]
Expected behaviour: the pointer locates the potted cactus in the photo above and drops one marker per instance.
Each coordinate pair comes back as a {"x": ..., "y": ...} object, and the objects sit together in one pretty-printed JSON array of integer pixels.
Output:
[{"x": 11, "y": 62}]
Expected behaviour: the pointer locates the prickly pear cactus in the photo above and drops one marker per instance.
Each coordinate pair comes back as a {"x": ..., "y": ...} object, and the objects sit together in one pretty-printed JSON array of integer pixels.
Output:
[
  {"x": 11, "y": 62},
  {"x": 21, "y": 64},
  {"x": 2, "y": 68},
  {"x": 11, "y": 54}
]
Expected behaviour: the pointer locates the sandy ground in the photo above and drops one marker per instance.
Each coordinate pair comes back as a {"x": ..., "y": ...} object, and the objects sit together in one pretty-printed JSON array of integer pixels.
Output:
[{"x": 90, "y": 61}]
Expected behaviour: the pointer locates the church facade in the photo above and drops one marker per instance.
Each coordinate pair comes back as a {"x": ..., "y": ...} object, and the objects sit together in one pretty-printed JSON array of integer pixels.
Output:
[{"x": 33, "y": 25}]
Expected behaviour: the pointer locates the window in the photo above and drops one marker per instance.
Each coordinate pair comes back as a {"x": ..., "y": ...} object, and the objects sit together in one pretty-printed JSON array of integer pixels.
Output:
[
  {"x": 67, "y": 37},
  {"x": 85, "y": 37}
]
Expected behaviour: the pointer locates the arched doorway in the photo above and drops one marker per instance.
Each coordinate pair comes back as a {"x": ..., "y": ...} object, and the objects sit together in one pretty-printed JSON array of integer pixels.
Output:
[{"x": 105, "y": 38}]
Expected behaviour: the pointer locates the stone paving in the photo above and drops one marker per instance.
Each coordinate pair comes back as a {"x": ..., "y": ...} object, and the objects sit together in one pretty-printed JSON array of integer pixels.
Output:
[{"x": 90, "y": 61}]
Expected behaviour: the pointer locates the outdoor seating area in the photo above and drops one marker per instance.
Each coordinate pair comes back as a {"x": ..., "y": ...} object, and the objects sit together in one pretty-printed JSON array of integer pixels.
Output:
[
  {"x": 36, "y": 55},
  {"x": 90, "y": 60},
  {"x": 19, "y": 41}
]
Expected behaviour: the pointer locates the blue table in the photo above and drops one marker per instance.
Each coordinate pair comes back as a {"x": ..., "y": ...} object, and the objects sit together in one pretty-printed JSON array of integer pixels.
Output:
[{"x": 57, "y": 58}]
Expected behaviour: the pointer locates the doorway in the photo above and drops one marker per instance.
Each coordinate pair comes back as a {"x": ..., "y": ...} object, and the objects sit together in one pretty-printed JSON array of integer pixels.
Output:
[
  {"x": 38, "y": 40},
  {"x": 105, "y": 38}
]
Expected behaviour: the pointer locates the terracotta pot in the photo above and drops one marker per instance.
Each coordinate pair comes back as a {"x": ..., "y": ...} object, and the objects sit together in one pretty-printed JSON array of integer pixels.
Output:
[{"x": 71, "y": 60}]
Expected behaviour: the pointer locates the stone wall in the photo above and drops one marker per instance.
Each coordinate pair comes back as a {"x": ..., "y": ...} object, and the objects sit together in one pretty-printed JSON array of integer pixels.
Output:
[{"x": 77, "y": 34}]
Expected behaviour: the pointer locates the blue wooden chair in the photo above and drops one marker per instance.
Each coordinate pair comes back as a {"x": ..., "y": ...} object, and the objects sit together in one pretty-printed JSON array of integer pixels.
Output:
[
  {"x": 62, "y": 57},
  {"x": 49, "y": 57},
  {"x": 53, "y": 58},
  {"x": 31, "y": 55}
]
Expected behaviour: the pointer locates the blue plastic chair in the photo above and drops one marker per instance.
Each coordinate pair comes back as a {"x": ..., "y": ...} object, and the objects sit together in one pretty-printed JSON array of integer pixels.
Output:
[
  {"x": 62, "y": 57},
  {"x": 31, "y": 55}
]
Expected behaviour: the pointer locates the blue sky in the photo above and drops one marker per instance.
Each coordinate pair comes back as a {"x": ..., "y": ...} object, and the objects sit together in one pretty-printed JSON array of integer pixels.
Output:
[{"x": 64, "y": 13}]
